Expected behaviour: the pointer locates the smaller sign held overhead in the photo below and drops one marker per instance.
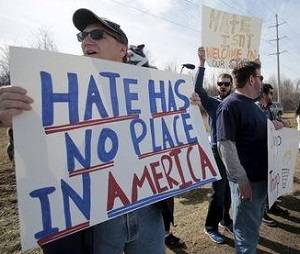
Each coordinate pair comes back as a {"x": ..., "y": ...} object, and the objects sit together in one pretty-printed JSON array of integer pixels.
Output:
[{"x": 229, "y": 38}]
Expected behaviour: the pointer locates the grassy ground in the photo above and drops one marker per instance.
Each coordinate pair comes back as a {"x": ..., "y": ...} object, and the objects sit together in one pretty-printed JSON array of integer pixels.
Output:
[
  {"x": 190, "y": 213},
  {"x": 190, "y": 216}
]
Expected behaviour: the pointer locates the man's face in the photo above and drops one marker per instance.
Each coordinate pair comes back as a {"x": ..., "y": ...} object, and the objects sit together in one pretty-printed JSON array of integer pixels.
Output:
[
  {"x": 224, "y": 86},
  {"x": 107, "y": 48},
  {"x": 257, "y": 83},
  {"x": 269, "y": 97}
]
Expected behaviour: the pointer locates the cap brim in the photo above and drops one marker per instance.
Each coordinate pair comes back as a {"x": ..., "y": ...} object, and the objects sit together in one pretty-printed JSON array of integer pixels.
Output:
[{"x": 84, "y": 17}]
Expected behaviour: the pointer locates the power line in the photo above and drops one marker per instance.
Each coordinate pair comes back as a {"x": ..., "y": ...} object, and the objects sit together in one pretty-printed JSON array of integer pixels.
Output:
[
  {"x": 189, "y": 14},
  {"x": 291, "y": 70},
  {"x": 156, "y": 16},
  {"x": 269, "y": 6},
  {"x": 293, "y": 31},
  {"x": 291, "y": 28},
  {"x": 282, "y": 2},
  {"x": 191, "y": 2},
  {"x": 278, "y": 53},
  {"x": 237, "y": 8}
]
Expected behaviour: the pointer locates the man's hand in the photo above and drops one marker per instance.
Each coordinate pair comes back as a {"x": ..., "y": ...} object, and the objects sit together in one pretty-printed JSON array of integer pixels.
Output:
[
  {"x": 13, "y": 101},
  {"x": 246, "y": 191},
  {"x": 201, "y": 55},
  {"x": 257, "y": 60},
  {"x": 195, "y": 99},
  {"x": 277, "y": 124}
]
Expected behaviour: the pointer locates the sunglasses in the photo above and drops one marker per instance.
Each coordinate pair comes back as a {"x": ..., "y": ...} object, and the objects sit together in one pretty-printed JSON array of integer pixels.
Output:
[
  {"x": 96, "y": 35},
  {"x": 227, "y": 84},
  {"x": 260, "y": 77}
]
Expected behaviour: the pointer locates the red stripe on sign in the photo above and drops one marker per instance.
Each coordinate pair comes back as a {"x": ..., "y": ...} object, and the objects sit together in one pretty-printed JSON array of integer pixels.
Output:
[
  {"x": 92, "y": 169},
  {"x": 161, "y": 114},
  {"x": 67, "y": 127},
  {"x": 63, "y": 233},
  {"x": 145, "y": 155}
]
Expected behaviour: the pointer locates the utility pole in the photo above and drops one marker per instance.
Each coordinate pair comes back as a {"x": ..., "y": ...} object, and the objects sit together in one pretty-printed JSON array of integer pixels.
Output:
[{"x": 278, "y": 53}]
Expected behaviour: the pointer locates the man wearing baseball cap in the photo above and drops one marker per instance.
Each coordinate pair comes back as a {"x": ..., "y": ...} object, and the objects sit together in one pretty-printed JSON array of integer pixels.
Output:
[{"x": 140, "y": 231}]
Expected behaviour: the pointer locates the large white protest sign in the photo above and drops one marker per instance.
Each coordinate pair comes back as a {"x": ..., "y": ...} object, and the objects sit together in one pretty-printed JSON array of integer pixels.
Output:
[
  {"x": 282, "y": 155},
  {"x": 229, "y": 38},
  {"x": 102, "y": 139}
]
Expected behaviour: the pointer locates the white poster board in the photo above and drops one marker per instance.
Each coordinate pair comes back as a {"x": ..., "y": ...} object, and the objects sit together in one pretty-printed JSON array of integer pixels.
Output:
[
  {"x": 282, "y": 156},
  {"x": 102, "y": 139},
  {"x": 229, "y": 38}
]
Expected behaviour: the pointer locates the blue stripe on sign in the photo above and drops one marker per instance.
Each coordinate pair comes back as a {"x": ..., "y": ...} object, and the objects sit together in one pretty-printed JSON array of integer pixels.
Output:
[{"x": 149, "y": 200}]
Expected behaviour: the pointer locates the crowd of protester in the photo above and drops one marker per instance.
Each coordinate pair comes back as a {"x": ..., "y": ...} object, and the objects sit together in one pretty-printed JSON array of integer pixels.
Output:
[{"x": 238, "y": 141}]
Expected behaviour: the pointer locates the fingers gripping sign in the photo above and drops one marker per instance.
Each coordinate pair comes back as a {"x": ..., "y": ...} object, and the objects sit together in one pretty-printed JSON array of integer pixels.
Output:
[
  {"x": 13, "y": 101},
  {"x": 278, "y": 125}
]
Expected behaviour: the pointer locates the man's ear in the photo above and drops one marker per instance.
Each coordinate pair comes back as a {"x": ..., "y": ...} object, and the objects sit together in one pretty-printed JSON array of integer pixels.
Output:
[
  {"x": 251, "y": 80},
  {"x": 123, "y": 51}
]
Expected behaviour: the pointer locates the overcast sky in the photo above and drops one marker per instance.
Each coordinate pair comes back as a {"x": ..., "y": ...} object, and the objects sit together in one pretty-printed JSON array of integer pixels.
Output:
[{"x": 170, "y": 29}]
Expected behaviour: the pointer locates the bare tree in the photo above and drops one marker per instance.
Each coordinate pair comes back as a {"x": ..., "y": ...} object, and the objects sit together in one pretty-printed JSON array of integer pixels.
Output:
[
  {"x": 298, "y": 85},
  {"x": 273, "y": 81},
  {"x": 43, "y": 41},
  {"x": 289, "y": 92},
  {"x": 4, "y": 66},
  {"x": 290, "y": 96}
]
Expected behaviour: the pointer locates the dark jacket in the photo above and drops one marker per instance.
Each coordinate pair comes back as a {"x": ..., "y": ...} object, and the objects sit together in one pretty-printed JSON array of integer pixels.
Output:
[{"x": 209, "y": 103}]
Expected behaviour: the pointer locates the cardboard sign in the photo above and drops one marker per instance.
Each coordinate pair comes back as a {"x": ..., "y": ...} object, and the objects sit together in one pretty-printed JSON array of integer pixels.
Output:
[
  {"x": 103, "y": 139},
  {"x": 229, "y": 38},
  {"x": 282, "y": 156}
]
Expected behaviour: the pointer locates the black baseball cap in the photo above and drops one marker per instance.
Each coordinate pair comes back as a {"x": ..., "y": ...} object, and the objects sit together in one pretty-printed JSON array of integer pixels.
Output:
[{"x": 84, "y": 17}]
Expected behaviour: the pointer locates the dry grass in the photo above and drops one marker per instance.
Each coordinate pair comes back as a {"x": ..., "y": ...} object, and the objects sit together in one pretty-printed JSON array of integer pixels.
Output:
[
  {"x": 190, "y": 215},
  {"x": 9, "y": 229},
  {"x": 9, "y": 223}
]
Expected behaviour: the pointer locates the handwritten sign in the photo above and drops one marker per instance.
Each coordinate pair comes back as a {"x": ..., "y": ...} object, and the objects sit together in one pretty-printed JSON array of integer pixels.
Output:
[
  {"x": 229, "y": 38},
  {"x": 103, "y": 139},
  {"x": 282, "y": 156}
]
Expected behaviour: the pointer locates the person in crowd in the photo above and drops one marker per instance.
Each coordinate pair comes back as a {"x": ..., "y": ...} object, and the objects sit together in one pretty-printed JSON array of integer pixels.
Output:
[
  {"x": 140, "y": 231},
  {"x": 10, "y": 145},
  {"x": 220, "y": 201},
  {"x": 171, "y": 240},
  {"x": 298, "y": 119},
  {"x": 265, "y": 103},
  {"x": 242, "y": 142}
]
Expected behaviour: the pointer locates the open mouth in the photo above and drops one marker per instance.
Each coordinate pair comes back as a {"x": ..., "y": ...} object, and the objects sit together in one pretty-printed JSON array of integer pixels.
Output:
[{"x": 90, "y": 52}]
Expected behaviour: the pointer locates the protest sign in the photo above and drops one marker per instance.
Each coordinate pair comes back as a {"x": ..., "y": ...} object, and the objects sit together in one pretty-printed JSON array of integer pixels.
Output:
[
  {"x": 229, "y": 38},
  {"x": 282, "y": 156},
  {"x": 102, "y": 139}
]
